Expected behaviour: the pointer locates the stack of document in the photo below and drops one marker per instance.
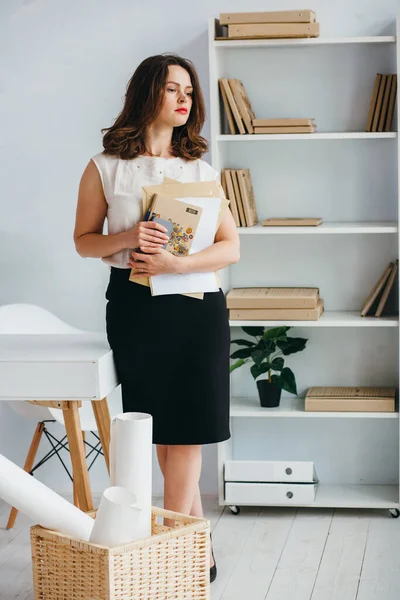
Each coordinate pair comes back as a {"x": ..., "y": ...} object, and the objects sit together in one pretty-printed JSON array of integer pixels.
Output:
[
  {"x": 194, "y": 211},
  {"x": 274, "y": 304}
]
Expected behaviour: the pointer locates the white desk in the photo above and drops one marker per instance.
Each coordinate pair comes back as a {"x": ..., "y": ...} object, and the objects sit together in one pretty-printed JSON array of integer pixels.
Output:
[{"x": 61, "y": 370}]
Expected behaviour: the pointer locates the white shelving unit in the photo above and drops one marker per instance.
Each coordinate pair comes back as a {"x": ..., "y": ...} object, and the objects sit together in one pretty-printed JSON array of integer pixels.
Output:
[{"x": 351, "y": 179}]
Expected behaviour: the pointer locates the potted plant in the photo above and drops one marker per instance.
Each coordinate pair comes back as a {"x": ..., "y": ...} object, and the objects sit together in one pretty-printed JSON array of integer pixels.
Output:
[{"x": 266, "y": 353}]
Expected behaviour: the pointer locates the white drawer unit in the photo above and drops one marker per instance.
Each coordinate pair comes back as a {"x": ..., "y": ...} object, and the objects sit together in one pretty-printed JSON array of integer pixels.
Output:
[
  {"x": 270, "y": 471},
  {"x": 264, "y": 494}
]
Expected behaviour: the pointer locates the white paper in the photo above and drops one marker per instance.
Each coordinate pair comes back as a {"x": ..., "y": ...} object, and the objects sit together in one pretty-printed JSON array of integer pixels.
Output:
[
  {"x": 40, "y": 503},
  {"x": 117, "y": 519},
  {"x": 131, "y": 461},
  {"x": 189, "y": 283}
]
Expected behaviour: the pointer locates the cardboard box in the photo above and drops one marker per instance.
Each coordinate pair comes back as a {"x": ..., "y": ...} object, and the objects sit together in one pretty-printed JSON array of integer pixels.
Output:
[
  {"x": 278, "y": 16},
  {"x": 273, "y": 30},
  {"x": 292, "y": 222},
  {"x": 268, "y": 297},
  {"x": 350, "y": 399},
  {"x": 285, "y": 122},
  {"x": 277, "y": 314},
  {"x": 284, "y": 130}
]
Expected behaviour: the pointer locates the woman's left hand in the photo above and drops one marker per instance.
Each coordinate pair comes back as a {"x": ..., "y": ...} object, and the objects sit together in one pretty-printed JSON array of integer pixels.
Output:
[{"x": 156, "y": 261}]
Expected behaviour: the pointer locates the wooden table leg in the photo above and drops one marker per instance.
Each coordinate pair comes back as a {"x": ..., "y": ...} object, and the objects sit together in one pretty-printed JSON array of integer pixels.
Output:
[
  {"x": 30, "y": 459},
  {"x": 78, "y": 455},
  {"x": 103, "y": 420},
  {"x": 75, "y": 487}
]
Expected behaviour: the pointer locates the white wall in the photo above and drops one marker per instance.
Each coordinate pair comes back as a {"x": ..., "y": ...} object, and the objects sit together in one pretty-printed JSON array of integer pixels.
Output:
[{"x": 63, "y": 70}]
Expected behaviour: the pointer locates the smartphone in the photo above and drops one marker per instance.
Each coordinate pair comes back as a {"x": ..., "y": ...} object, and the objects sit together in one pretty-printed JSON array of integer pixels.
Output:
[{"x": 167, "y": 224}]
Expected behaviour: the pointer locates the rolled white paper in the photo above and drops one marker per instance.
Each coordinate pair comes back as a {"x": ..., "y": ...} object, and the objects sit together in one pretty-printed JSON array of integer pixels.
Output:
[
  {"x": 131, "y": 462},
  {"x": 40, "y": 503},
  {"x": 117, "y": 518}
]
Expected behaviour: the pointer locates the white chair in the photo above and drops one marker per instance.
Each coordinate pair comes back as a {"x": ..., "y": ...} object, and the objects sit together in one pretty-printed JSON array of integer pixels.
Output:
[{"x": 30, "y": 319}]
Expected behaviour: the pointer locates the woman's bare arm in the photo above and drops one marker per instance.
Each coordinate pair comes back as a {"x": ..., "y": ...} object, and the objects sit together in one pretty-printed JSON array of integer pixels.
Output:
[{"x": 91, "y": 213}]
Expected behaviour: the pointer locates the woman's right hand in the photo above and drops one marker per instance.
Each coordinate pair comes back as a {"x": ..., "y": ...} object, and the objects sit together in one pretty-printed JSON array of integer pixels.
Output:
[{"x": 146, "y": 233}]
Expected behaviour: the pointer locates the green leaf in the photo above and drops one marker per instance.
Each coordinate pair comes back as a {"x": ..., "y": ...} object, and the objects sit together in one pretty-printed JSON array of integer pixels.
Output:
[
  {"x": 253, "y": 331},
  {"x": 242, "y": 353},
  {"x": 275, "y": 333},
  {"x": 267, "y": 346},
  {"x": 236, "y": 365},
  {"x": 247, "y": 343},
  {"x": 265, "y": 367},
  {"x": 257, "y": 370},
  {"x": 277, "y": 364},
  {"x": 257, "y": 356},
  {"x": 291, "y": 345},
  {"x": 288, "y": 381}
]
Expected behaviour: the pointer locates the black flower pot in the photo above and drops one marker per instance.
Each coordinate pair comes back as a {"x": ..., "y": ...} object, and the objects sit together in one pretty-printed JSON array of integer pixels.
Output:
[{"x": 269, "y": 393}]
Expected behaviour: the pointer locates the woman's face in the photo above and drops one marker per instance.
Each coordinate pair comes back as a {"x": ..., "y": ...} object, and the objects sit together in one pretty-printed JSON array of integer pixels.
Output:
[{"x": 178, "y": 92}]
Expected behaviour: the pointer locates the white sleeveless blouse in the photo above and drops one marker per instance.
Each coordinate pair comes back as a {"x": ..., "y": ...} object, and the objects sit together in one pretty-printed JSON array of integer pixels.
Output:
[{"x": 122, "y": 185}]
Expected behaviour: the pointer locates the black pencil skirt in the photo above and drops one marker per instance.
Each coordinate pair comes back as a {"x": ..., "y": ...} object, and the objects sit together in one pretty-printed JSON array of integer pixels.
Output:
[{"x": 172, "y": 358}]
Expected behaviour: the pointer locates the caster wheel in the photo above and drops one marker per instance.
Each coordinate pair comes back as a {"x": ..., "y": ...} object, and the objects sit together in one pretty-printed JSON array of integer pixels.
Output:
[
  {"x": 235, "y": 510},
  {"x": 395, "y": 512}
]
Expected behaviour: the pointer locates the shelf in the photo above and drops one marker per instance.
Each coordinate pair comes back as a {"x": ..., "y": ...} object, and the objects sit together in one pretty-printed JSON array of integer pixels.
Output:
[
  {"x": 328, "y": 319},
  {"x": 325, "y": 228},
  {"x": 294, "y": 408},
  {"x": 320, "y": 41},
  {"x": 350, "y": 496},
  {"x": 357, "y": 496},
  {"x": 338, "y": 135}
]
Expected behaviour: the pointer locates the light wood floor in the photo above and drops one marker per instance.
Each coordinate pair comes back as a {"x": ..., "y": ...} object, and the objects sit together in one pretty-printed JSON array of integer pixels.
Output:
[{"x": 266, "y": 554}]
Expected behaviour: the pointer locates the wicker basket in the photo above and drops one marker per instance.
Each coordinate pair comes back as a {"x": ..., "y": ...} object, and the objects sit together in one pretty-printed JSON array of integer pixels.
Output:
[{"x": 173, "y": 563}]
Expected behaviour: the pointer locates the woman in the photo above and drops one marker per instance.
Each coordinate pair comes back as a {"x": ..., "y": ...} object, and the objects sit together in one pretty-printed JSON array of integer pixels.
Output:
[{"x": 171, "y": 352}]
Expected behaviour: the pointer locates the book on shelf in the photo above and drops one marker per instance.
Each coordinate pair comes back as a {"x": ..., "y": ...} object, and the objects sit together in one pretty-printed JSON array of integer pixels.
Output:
[
  {"x": 241, "y": 117},
  {"x": 281, "y": 16},
  {"x": 238, "y": 189},
  {"x": 383, "y": 302},
  {"x": 225, "y": 102},
  {"x": 272, "y": 30},
  {"x": 383, "y": 299},
  {"x": 226, "y": 182},
  {"x": 277, "y": 314},
  {"x": 283, "y": 122},
  {"x": 350, "y": 399},
  {"x": 237, "y": 105},
  {"x": 382, "y": 105},
  {"x": 243, "y": 103},
  {"x": 239, "y": 199},
  {"x": 292, "y": 222},
  {"x": 272, "y": 297},
  {"x": 247, "y": 196},
  {"x": 283, "y": 130}
]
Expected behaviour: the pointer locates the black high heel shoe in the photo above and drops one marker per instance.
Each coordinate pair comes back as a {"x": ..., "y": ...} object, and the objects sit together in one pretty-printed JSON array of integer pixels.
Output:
[{"x": 213, "y": 569}]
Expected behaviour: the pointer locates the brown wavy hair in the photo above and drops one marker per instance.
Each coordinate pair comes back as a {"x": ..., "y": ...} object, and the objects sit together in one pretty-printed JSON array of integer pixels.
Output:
[{"x": 143, "y": 101}]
